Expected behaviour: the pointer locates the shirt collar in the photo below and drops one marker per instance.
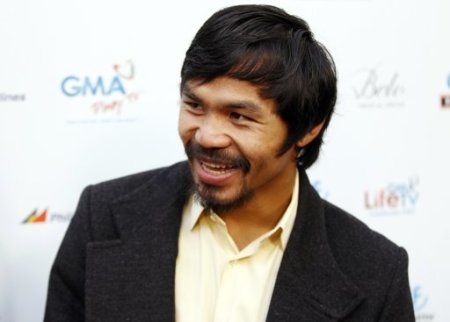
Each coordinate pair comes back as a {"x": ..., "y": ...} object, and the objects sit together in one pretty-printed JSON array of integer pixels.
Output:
[
  {"x": 286, "y": 222},
  {"x": 194, "y": 209}
]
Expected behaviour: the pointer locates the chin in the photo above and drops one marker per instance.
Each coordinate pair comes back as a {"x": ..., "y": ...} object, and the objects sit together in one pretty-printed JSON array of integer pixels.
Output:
[{"x": 209, "y": 200}]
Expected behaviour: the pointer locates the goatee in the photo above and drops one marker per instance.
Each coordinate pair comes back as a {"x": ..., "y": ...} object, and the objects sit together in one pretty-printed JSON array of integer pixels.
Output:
[{"x": 207, "y": 194}]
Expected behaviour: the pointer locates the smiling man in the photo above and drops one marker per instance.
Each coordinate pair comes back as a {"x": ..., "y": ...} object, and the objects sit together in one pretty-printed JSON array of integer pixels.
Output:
[{"x": 236, "y": 233}]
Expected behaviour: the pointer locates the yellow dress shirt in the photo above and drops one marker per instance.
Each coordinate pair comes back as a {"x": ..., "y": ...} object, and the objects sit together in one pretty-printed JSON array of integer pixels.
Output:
[{"x": 215, "y": 282}]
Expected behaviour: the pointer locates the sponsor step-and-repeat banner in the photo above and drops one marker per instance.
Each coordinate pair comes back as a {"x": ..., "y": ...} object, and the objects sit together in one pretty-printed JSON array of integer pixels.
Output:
[{"x": 89, "y": 91}]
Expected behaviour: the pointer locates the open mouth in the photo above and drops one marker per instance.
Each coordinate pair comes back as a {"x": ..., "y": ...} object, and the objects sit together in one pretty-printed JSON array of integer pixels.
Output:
[
  {"x": 216, "y": 168},
  {"x": 215, "y": 173}
]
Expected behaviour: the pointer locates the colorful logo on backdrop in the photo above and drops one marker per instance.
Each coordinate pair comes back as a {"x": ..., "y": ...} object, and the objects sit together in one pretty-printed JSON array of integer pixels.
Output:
[
  {"x": 377, "y": 88},
  {"x": 420, "y": 302},
  {"x": 39, "y": 216},
  {"x": 445, "y": 98},
  {"x": 110, "y": 93},
  {"x": 12, "y": 97},
  {"x": 393, "y": 198}
]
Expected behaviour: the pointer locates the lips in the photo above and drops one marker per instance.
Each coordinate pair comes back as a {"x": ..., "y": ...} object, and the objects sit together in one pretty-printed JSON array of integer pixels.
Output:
[{"x": 214, "y": 173}]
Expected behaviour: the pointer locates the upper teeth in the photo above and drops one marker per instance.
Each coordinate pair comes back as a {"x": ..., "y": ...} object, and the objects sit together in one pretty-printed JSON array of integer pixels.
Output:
[{"x": 216, "y": 166}]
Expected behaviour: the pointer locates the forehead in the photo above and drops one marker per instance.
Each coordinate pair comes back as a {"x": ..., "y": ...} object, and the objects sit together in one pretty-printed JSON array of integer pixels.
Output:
[{"x": 226, "y": 90}]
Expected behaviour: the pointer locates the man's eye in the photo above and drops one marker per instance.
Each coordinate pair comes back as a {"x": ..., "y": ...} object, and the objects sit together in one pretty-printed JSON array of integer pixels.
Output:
[
  {"x": 239, "y": 117},
  {"x": 191, "y": 104}
]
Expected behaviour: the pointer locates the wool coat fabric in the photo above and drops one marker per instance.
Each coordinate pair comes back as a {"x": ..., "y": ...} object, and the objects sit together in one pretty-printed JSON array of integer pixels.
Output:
[{"x": 117, "y": 259}]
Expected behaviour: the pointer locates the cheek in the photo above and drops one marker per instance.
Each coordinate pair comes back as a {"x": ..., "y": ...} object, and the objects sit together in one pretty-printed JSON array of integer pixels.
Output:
[
  {"x": 264, "y": 144},
  {"x": 262, "y": 150},
  {"x": 253, "y": 151}
]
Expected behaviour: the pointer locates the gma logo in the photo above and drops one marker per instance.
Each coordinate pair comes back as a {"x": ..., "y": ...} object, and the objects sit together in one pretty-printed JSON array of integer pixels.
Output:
[{"x": 83, "y": 86}]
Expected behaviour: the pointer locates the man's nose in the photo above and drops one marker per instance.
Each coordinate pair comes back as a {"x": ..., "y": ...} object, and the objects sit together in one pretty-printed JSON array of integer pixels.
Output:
[{"x": 212, "y": 133}]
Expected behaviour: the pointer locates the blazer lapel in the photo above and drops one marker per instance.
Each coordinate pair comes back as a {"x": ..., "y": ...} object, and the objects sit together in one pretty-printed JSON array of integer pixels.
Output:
[
  {"x": 132, "y": 278},
  {"x": 310, "y": 285}
]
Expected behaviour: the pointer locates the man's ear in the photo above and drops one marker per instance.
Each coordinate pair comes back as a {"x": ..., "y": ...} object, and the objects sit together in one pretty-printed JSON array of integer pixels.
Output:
[{"x": 311, "y": 135}]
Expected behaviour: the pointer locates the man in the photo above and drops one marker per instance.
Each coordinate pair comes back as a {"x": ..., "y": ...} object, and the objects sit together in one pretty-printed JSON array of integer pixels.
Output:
[{"x": 237, "y": 233}]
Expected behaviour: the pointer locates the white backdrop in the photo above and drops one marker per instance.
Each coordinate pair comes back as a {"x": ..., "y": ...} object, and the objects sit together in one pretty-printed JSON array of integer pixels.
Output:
[{"x": 89, "y": 92}]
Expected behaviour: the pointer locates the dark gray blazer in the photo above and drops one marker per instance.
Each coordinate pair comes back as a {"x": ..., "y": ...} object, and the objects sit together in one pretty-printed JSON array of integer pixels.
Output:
[{"x": 117, "y": 259}]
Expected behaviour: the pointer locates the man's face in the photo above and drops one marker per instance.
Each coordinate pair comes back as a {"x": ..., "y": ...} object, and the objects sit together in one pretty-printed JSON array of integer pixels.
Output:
[{"x": 232, "y": 137}]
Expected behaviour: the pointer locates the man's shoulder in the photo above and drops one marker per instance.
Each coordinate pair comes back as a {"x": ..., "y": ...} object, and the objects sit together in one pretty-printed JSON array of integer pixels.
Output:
[
  {"x": 130, "y": 184},
  {"x": 98, "y": 202},
  {"x": 375, "y": 264},
  {"x": 346, "y": 229},
  {"x": 352, "y": 242}
]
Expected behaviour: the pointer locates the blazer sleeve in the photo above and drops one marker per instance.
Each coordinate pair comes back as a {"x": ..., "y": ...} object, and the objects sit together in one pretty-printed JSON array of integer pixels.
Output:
[
  {"x": 65, "y": 297},
  {"x": 398, "y": 304}
]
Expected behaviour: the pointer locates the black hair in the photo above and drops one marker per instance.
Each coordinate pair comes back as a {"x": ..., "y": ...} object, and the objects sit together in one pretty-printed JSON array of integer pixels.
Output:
[{"x": 277, "y": 52}]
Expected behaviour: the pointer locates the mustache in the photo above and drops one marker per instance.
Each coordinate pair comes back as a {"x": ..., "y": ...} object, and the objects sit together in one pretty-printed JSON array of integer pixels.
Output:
[{"x": 196, "y": 151}]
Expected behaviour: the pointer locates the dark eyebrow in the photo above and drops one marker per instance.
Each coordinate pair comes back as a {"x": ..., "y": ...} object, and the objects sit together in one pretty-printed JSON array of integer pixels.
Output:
[
  {"x": 247, "y": 105},
  {"x": 186, "y": 91},
  {"x": 238, "y": 104}
]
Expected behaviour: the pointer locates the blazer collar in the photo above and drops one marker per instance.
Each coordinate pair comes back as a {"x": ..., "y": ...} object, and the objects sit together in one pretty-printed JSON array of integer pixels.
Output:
[
  {"x": 147, "y": 221},
  {"x": 309, "y": 286},
  {"x": 155, "y": 208}
]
